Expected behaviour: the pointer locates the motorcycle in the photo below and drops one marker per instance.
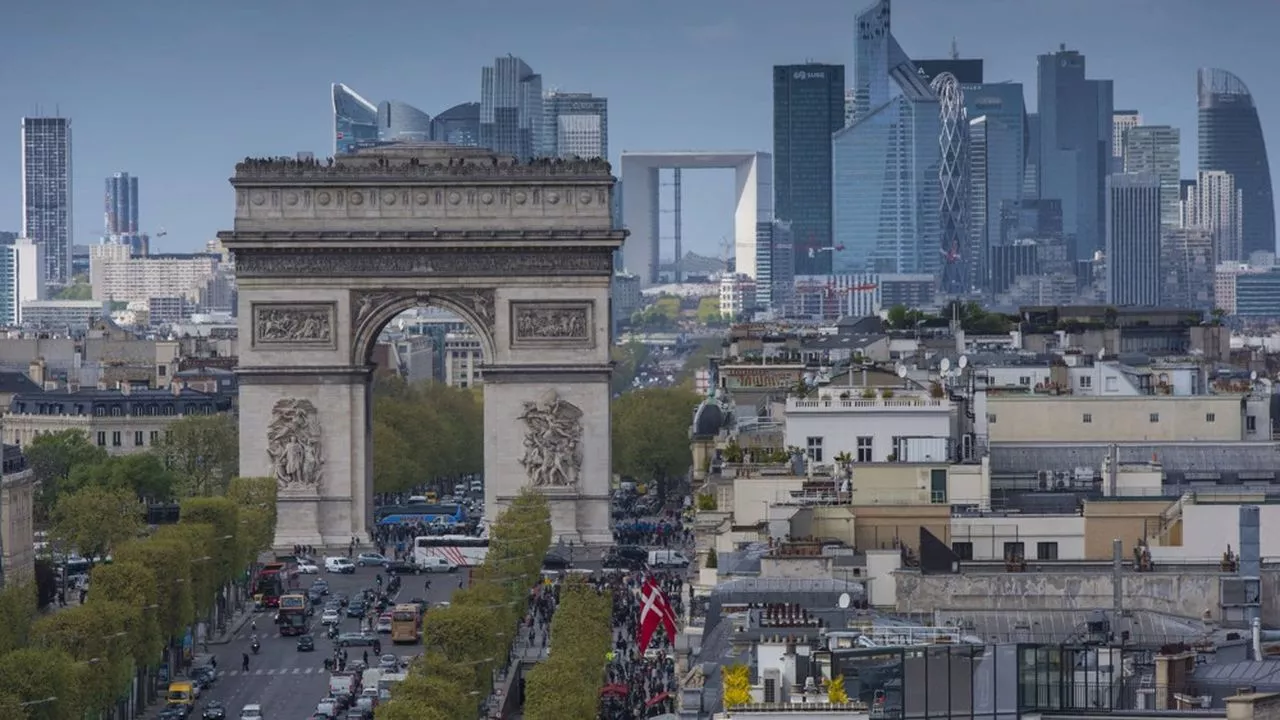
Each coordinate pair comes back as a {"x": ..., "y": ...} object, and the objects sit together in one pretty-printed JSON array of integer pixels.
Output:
[
  {"x": 255, "y": 647},
  {"x": 333, "y": 632}
]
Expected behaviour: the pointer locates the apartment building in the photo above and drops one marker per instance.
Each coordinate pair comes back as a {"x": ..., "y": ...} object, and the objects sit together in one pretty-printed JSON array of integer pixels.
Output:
[{"x": 118, "y": 276}]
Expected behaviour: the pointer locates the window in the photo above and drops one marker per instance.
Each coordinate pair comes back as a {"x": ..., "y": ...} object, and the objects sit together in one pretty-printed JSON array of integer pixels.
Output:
[
  {"x": 1025, "y": 381},
  {"x": 1251, "y": 423},
  {"x": 1086, "y": 418},
  {"x": 1112, "y": 384},
  {"x": 1154, "y": 417},
  {"x": 168, "y": 435},
  {"x": 155, "y": 435},
  {"x": 1086, "y": 381},
  {"x": 991, "y": 418},
  {"x": 1210, "y": 417},
  {"x": 115, "y": 439},
  {"x": 102, "y": 438},
  {"x": 864, "y": 446},
  {"x": 1046, "y": 551},
  {"x": 938, "y": 485},
  {"x": 815, "y": 449},
  {"x": 1014, "y": 550},
  {"x": 963, "y": 550},
  {"x": 137, "y": 438},
  {"x": 161, "y": 370}
]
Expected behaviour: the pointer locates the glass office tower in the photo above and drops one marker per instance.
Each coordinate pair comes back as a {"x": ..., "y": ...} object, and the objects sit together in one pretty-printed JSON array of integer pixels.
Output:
[
  {"x": 574, "y": 125},
  {"x": 1075, "y": 145},
  {"x": 1230, "y": 139},
  {"x": 402, "y": 122},
  {"x": 808, "y": 107},
  {"x": 1003, "y": 155},
  {"x": 120, "y": 214},
  {"x": 885, "y": 189},
  {"x": 1154, "y": 149},
  {"x": 510, "y": 107},
  {"x": 355, "y": 120},
  {"x": 459, "y": 125}
]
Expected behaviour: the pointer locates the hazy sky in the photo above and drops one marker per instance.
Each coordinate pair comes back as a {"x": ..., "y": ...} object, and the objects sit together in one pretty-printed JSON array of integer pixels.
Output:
[{"x": 176, "y": 92}]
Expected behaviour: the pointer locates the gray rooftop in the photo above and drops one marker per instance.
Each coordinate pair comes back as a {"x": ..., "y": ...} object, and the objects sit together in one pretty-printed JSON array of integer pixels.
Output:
[
  {"x": 1183, "y": 462},
  {"x": 1069, "y": 626}
]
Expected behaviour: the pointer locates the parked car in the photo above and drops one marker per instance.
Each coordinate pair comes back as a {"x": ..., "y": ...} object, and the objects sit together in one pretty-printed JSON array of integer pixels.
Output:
[{"x": 402, "y": 567}]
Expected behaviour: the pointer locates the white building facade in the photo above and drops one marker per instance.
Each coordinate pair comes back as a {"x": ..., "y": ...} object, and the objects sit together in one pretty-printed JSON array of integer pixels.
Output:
[
  {"x": 117, "y": 276},
  {"x": 875, "y": 429}
]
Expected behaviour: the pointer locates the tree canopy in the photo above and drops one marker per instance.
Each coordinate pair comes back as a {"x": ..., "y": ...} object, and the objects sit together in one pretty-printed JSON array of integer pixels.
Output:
[
  {"x": 95, "y": 519},
  {"x": 627, "y": 361},
  {"x": 567, "y": 684},
  {"x": 204, "y": 452},
  {"x": 651, "y": 433},
  {"x": 423, "y": 432},
  {"x": 52, "y": 458}
]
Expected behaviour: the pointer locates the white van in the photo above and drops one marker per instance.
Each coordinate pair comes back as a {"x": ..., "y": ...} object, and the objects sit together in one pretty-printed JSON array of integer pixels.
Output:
[
  {"x": 435, "y": 563},
  {"x": 667, "y": 559},
  {"x": 341, "y": 565}
]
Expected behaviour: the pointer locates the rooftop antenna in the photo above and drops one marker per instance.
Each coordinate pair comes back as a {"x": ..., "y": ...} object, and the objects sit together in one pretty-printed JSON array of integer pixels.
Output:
[{"x": 955, "y": 51}]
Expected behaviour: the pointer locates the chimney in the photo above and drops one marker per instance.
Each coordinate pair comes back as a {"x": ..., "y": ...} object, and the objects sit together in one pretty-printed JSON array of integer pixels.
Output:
[
  {"x": 177, "y": 387},
  {"x": 125, "y": 387},
  {"x": 1117, "y": 576},
  {"x": 1172, "y": 673},
  {"x": 35, "y": 371}
]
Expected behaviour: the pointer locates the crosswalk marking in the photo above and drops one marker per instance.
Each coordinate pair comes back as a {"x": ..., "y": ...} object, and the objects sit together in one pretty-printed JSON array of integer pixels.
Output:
[{"x": 271, "y": 671}]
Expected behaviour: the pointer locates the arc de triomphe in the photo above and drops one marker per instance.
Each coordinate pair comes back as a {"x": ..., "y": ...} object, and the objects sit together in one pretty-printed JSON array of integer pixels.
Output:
[{"x": 326, "y": 253}]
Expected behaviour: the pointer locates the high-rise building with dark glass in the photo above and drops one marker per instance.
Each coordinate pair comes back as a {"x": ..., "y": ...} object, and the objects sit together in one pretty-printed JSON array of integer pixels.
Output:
[
  {"x": 510, "y": 107},
  {"x": 459, "y": 125},
  {"x": 1132, "y": 213},
  {"x": 1075, "y": 145},
  {"x": 46, "y": 192},
  {"x": 808, "y": 107},
  {"x": 1230, "y": 140},
  {"x": 355, "y": 120},
  {"x": 574, "y": 124},
  {"x": 402, "y": 122},
  {"x": 120, "y": 212}
]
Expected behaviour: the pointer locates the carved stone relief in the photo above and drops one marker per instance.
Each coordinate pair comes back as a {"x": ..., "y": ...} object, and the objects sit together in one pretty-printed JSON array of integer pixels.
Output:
[
  {"x": 448, "y": 164},
  {"x": 293, "y": 324},
  {"x": 552, "y": 441},
  {"x": 295, "y": 445},
  {"x": 449, "y": 263},
  {"x": 479, "y": 301},
  {"x": 562, "y": 323}
]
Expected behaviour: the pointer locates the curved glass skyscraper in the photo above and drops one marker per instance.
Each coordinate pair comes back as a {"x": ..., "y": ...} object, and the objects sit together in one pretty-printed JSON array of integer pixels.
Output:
[
  {"x": 402, "y": 122},
  {"x": 959, "y": 268},
  {"x": 355, "y": 120},
  {"x": 1230, "y": 140}
]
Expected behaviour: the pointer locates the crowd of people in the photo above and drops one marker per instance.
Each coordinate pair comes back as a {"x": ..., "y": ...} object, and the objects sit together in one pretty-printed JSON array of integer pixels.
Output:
[
  {"x": 641, "y": 683},
  {"x": 666, "y": 531}
]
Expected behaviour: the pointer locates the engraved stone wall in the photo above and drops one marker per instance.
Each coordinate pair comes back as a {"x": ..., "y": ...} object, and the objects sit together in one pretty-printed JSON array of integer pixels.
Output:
[
  {"x": 552, "y": 324},
  {"x": 375, "y": 262},
  {"x": 293, "y": 324}
]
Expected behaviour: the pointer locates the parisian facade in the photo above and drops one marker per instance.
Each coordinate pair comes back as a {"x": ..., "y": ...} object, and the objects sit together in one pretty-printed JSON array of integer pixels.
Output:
[
  {"x": 808, "y": 108},
  {"x": 46, "y": 193}
]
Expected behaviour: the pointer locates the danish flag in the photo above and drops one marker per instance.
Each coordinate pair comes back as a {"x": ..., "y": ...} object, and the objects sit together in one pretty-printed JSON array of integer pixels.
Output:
[{"x": 655, "y": 610}]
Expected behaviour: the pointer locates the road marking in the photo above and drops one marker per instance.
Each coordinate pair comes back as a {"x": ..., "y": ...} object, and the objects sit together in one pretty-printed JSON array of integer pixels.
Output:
[{"x": 297, "y": 670}]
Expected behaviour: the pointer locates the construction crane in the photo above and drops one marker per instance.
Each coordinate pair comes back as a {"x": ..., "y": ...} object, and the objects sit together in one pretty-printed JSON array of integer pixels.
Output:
[{"x": 813, "y": 252}]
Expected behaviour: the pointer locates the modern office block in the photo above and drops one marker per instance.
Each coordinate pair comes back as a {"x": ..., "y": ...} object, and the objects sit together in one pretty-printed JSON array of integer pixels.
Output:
[
  {"x": 1212, "y": 202},
  {"x": 402, "y": 122},
  {"x": 355, "y": 120},
  {"x": 459, "y": 125},
  {"x": 1154, "y": 149},
  {"x": 808, "y": 107},
  {"x": 46, "y": 193},
  {"x": 510, "y": 108},
  {"x": 1121, "y": 121},
  {"x": 574, "y": 125},
  {"x": 1230, "y": 139},
  {"x": 1133, "y": 239}
]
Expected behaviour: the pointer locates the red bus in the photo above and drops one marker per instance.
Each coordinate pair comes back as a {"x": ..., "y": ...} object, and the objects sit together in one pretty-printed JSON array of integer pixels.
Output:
[
  {"x": 268, "y": 586},
  {"x": 292, "y": 617}
]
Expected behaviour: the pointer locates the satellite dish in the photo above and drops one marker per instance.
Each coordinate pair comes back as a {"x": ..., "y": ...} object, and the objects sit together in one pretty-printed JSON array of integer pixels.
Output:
[
  {"x": 844, "y": 601},
  {"x": 945, "y": 366},
  {"x": 1253, "y": 376},
  {"x": 964, "y": 361},
  {"x": 902, "y": 371}
]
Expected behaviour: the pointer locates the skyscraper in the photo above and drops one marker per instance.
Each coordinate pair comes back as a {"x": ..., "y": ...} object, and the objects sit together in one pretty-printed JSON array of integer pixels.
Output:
[
  {"x": 574, "y": 125},
  {"x": 1075, "y": 145},
  {"x": 1154, "y": 149},
  {"x": 402, "y": 122},
  {"x": 885, "y": 191},
  {"x": 46, "y": 193},
  {"x": 510, "y": 107},
  {"x": 1230, "y": 139},
  {"x": 1003, "y": 153},
  {"x": 1121, "y": 121},
  {"x": 1213, "y": 203},
  {"x": 121, "y": 205},
  {"x": 355, "y": 120},
  {"x": 959, "y": 269},
  {"x": 459, "y": 125},
  {"x": 1132, "y": 213},
  {"x": 808, "y": 107},
  {"x": 978, "y": 203},
  {"x": 21, "y": 278}
]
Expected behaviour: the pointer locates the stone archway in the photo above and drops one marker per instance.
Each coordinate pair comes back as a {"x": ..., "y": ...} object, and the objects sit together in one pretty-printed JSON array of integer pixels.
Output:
[{"x": 327, "y": 253}]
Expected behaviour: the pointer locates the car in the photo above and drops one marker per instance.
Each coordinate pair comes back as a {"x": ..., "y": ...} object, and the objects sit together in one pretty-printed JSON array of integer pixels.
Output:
[
  {"x": 327, "y": 708},
  {"x": 321, "y": 585},
  {"x": 355, "y": 609},
  {"x": 384, "y": 625},
  {"x": 435, "y": 564},
  {"x": 356, "y": 714},
  {"x": 306, "y": 643},
  {"x": 173, "y": 712},
  {"x": 340, "y": 565},
  {"x": 389, "y": 662},
  {"x": 314, "y": 596},
  {"x": 403, "y": 567},
  {"x": 330, "y": 617},
  {"x": 306, "y": 568},
  {"x": 371, "y": 559},
  {"x": 341, "y": 599},
  {"x": 555, "y": 561},
  {"x": 214, "y": 711},
  {"x": 251, "y": 712},
  {"x": 357, "y": 639}
]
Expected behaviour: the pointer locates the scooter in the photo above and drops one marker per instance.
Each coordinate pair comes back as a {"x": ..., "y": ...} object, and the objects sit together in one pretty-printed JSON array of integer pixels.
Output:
[{"x": 255, "y": 647}]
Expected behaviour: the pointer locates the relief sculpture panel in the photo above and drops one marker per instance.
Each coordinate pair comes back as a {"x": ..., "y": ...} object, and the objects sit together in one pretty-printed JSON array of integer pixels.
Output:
[
  {"x": 294, "y": 445},
  {"x": 552, "y": 324},
  {"x": 293, "y": 324}
]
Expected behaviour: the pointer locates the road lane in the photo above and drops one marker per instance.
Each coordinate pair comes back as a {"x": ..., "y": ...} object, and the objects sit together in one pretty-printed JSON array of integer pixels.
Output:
[{"x": 288, "y": 683}]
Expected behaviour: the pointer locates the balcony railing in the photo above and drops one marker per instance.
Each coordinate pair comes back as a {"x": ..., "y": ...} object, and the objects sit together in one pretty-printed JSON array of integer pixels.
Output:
[{"x": 868, "y": 404}]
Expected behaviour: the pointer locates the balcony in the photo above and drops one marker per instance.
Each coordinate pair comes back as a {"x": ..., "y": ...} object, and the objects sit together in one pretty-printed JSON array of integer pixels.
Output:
[{"x": 877, "y": 404}]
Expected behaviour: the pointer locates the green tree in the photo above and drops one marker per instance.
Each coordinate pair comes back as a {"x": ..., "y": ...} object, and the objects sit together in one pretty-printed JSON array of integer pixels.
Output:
[
  {"x": 52, "y": 457},
  {"x": 255, "y": 498},
  {"x": 133, "y": 585},
  {"x": 708, "y": 312},
  {"x": 204, "y": 451},
  {"x": 79, "y": 290},
  {"x": 17, "y": 610},
  {"x": 206, "y": 558},
  {"x": 651, "y": 434},
  {"x": 172, "y": 571},
  {"x": 699, "y": 359},
  {"x": 45, "y": 680},
  {"x": 567, "y": 684},
  {"x": 95, "y": 635},
  {"x": 222, "y": 514},
  {"x": 627, "y": 361},
  {"x": 425, "y": 432},
  {"x": 141, "y": 473},
  {"x": 94, "y": 519},
  {"x": 11, "y": 707},
  {"x": 409, "y": 709}
]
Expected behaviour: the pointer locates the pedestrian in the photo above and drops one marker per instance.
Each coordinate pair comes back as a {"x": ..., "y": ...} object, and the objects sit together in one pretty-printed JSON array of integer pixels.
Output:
[
  {"x": 428, "y": 584},
  {"x": 365, "y": 657}
]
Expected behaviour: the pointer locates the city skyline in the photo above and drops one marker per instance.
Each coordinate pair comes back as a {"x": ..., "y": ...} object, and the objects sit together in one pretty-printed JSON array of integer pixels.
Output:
[{"x": 664, "y": 108}]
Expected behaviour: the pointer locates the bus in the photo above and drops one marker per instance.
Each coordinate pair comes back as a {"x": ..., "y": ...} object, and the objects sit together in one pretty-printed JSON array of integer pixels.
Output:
[
  {"x": 292, "y": 617},
  {"x": 459, "y": 550},
  {"x": 422, "y": 514},
  {"x": 406, "y": 623},
  {"x": 268, "y": 586}
]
